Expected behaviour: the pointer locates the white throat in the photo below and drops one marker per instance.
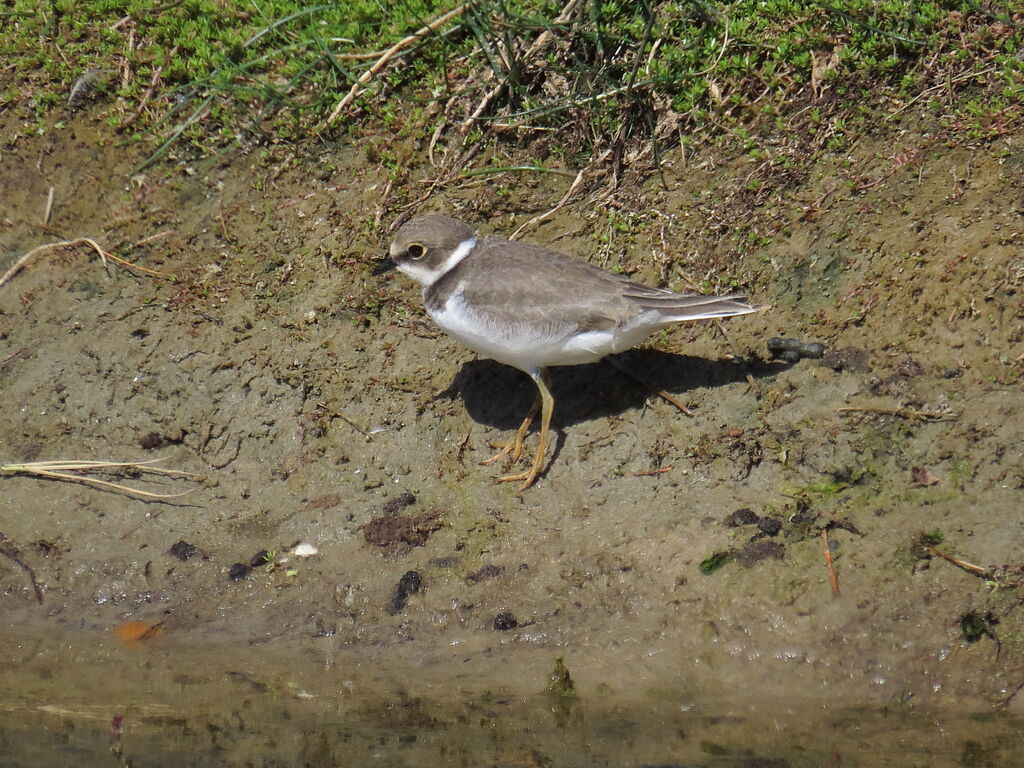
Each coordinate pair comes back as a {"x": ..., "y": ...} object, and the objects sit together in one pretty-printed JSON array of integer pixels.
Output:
[{"x": 426, "y": 275}]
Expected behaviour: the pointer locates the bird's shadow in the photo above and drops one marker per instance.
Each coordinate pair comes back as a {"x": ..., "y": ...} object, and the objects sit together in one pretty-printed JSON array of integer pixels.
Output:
[{"x": 499, "y": 396}]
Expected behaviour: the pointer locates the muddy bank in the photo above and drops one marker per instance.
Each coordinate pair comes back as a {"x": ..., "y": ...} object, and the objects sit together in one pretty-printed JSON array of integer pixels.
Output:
[{"x": 313, "y": 400}]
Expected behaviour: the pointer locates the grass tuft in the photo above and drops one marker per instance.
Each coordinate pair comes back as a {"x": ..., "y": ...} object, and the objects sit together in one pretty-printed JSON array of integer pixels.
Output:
[{"x": 594, "y": 78}]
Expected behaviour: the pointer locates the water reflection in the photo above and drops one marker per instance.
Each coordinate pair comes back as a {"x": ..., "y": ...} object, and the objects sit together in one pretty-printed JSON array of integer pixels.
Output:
[{"x": 90, "y": 700}]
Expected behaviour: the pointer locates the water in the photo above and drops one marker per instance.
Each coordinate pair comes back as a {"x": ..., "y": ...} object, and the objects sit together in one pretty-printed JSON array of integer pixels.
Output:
[{"x": 84, "y": 698}]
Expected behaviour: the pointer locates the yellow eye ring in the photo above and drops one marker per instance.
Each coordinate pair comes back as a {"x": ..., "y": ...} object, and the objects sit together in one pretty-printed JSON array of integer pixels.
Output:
[{"x": 416, "y": 251}]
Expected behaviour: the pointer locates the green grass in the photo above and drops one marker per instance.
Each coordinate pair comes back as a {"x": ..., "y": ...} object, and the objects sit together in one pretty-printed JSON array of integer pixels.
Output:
[{"x": 612, "y": 73}]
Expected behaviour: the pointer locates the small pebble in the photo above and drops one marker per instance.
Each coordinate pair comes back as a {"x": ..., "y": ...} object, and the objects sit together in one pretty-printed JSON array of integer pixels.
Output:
[
  {"x": 769, "y": 526},
  {"x": 183, "y": 550},
  {"x": 260, "y": 559},
  {"x": 505, "y": 621},
  {"x": 305, "y": 549},
  {"x": 757, "y": 551},
  {"x": 409, "y": 584},
  {"x": 238, "y": 571},
  {"x": 488, "y": 571},
  {"x": 740, "y": 517},
  {"x": 448, "y": 561}
]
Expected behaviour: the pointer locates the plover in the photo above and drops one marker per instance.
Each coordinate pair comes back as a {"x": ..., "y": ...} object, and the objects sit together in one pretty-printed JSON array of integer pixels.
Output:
[{"x": 532, "y": 308}]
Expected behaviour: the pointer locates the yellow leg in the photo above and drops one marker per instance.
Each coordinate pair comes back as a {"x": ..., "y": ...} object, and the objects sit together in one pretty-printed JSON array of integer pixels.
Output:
[
  {"x": 515, "y": 446},
  {"x": 543, "y": 382}
]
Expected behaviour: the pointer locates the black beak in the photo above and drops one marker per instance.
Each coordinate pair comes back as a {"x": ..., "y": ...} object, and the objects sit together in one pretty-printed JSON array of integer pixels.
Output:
[{"x": 384, "y": 265}]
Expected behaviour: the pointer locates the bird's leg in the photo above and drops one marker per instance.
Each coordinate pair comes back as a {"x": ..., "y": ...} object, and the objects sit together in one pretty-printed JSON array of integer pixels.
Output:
[
  {"x": 515, "y": 446},
  {"x": 543, "y": 381}
]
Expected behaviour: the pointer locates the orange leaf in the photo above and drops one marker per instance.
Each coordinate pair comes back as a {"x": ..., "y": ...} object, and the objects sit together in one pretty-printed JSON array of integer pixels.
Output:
[{"x": 132, "y": 633}]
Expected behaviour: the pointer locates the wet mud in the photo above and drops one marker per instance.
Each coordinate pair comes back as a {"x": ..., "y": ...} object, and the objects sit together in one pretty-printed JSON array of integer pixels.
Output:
[{"x": 767, "y": 547}]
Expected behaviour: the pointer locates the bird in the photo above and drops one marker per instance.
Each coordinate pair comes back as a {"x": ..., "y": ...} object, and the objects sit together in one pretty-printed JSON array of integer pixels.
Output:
[{"x": 533, "y": 308}]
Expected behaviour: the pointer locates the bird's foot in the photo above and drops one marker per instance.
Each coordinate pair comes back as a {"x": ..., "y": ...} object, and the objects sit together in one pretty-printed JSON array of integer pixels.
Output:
[
  {"x": 528, "y": 477},
  {"x": 513, "y": 448}
]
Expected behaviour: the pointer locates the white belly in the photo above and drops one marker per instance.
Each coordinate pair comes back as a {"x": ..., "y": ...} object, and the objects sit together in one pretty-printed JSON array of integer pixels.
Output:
[{"x": 527, "y": 346}]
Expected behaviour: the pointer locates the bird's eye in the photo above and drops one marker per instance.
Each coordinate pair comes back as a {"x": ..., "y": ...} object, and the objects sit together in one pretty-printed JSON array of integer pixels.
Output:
[{"x": 416, "y": 251}]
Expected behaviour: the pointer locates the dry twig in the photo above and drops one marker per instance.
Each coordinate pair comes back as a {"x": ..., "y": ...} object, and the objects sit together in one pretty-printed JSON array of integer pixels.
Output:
[
  {"x": 833, "y": 577},
  {"x": 21, "y": 263},
  {"x": 151, "y": 238},
  {"x": 334, "y": 413},
  {"x": 668, "y": 398},
  {"x": 49, "y": 206},
  {"x": 11, "y": 356},
  {"x": 928, "y": 91},
  {"x": 751, "y": 381},
  {"x": 652, "y": 472},
  {"x": 565, "y": 198},
  {"x": 389, "y": 54},
  {"x": 10, "y": 551},
  {"x": 1013, "y": 694},
  {"x": 976, "y": 570},
  {"x": 154, "y": 82}
]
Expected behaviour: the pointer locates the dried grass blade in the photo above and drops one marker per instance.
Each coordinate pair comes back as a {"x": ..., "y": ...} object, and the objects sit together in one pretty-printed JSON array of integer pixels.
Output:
[{"x": 60, "y": 469}]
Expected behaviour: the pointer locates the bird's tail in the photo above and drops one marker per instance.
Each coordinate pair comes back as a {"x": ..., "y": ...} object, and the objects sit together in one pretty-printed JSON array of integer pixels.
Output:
[{"x": 678, "y": 307}]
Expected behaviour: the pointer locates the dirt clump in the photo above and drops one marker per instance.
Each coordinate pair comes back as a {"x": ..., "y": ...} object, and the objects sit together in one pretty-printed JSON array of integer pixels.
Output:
[{"x": 398, "y": 534}]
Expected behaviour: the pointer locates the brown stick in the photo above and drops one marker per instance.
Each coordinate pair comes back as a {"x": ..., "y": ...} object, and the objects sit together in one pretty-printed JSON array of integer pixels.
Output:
[
  {"x": 151, "y": 238},
  {"x": 338, "y": 414},
  {"x": 8, "y": 550},
  {"x": 62, "y": 470},
  {"x": 463, "y": 445},
  {"x": 659, "y": 392},
  {"x": 977, "y": 570},
  {"x": 11, "y": 356},
  {"x": 565, "y": 198},
  {"x": 49, "y": 207},
  {"x": 751, "y": 381},
  {"x": 833, "y": 577},
  {"x": 1006, "y": 702},
  {"x": 652, "y": 472},
  {"x": 389, "y": 54},
  {"x": 154, "y": 81}
]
